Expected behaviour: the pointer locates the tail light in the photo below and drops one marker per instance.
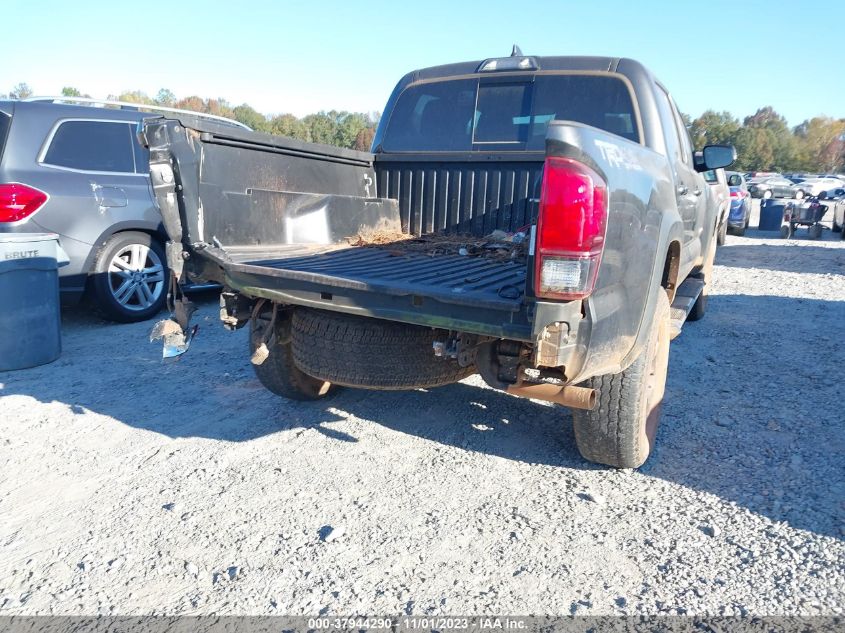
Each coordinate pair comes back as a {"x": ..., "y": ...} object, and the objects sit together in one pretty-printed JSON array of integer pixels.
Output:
[
  {"x": 18, "y": 202},
  {"x": 570, "y": 230}
]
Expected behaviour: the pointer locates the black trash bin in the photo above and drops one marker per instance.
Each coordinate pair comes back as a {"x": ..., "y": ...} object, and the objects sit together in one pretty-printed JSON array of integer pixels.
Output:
[
  {"x": 771, "y": 214},
  {"x": 30, "y": 321}
]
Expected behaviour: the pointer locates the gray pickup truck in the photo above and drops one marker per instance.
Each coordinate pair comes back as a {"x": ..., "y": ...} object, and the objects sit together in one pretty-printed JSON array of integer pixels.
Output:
[{"x": 547, "y": 224}]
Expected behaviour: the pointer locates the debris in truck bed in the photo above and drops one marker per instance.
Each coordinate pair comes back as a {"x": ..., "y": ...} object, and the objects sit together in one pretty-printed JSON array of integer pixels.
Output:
[{"x": 499, "y": 245}]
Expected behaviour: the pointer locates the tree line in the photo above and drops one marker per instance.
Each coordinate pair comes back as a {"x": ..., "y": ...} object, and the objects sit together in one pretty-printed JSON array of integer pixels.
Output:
[
  {"x": 354, "y": 130},
  {"x": 764, "y": 141}
]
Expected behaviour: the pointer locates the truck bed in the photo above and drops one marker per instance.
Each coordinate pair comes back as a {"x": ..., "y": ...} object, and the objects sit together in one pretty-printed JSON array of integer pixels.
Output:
[
  {"x": 440, "y": 290},
  {"x": 446, "y": 278},
  {"x": 275, "y": 216}
]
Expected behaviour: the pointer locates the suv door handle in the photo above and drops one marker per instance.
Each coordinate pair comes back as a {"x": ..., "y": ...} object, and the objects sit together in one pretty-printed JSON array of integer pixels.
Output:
[
  {"x": 682, "y": 190},
  {"x": 697, "y": 192}
]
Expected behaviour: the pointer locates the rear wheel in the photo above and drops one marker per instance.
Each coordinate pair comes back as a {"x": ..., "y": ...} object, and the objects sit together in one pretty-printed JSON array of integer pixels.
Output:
[
  {"x": 815, "y": 231},
  {"x": 278, "y": 373},
  {"x": 130, "y": 277},
  {"x": 621, "y": 430}
]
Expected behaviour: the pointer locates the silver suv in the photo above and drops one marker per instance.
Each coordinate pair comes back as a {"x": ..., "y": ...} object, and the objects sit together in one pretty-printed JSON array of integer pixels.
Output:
[{"x": 79, "y": 171}]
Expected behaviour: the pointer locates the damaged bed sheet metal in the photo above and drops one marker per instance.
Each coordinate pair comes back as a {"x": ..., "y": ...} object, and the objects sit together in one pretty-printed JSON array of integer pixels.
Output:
[
  {"x": 286, "y": 192},
  {"x": 279, "y": 191}
]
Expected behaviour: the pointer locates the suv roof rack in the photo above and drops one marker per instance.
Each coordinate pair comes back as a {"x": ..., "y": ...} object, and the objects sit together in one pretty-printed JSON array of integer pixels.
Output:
[{"x": 141, "y": 107}]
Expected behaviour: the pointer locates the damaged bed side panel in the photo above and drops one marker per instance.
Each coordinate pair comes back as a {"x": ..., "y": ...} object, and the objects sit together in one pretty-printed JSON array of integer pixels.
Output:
[{"x": 238, "y": 188}]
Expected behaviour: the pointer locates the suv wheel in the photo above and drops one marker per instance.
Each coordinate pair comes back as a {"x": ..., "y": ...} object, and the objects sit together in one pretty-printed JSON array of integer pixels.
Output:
[{"x": 130, "y": 277}]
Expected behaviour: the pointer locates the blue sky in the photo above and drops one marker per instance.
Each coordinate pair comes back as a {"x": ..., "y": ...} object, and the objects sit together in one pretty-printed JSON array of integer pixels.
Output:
[{"x": 301, "y": 57}]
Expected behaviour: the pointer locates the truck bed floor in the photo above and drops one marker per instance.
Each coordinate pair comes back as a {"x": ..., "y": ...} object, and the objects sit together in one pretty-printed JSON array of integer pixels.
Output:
[{"x": 454, "y": 279}]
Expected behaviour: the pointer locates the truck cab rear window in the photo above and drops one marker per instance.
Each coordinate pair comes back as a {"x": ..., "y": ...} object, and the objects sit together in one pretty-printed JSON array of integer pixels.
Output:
[
  {"x": 92, "y": 146},
  {"x": 472, "y": 114}
]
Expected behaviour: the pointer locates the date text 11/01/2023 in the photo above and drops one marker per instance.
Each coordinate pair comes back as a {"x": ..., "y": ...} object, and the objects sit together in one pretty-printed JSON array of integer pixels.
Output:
[{"x": 419, "y": 623}]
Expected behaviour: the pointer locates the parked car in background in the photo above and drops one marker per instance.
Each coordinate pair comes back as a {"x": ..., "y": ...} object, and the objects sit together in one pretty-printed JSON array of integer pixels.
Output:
[
  {"x": 718, "y": 181},
  {"x": 771, "y": 187},
  {"x": 814, "y": 186},
  {"x": 740, "y": 212},
  {"x": 796, "y": 178},
  {"x": 836, "y": 201},
  {"x": 75, "y": 167}
]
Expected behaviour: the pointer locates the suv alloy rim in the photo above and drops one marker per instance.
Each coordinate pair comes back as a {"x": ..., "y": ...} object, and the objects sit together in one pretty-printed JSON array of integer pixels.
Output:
[{"x": 136, "y": 277}]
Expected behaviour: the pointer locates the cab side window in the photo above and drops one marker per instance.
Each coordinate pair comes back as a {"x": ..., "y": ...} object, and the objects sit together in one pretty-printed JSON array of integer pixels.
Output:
[{"x": 667, "y": 122}]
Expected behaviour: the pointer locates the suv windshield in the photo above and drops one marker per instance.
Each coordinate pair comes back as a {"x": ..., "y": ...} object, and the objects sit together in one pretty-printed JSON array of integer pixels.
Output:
[{"x": 505, "y": 112}]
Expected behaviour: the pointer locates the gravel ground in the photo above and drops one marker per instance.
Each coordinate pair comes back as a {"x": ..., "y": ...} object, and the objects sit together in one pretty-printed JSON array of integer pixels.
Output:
[{"x": 132, "y": 487}]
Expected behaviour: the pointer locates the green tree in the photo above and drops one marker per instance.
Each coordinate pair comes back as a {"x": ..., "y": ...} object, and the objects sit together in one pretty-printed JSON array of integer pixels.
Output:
[
  {"x": 133, "y": 96},
  {"x": 247, "y": 115},
  {"x": 322, "y": 127},
  {"x": 348, "y": 126},
  {"x": 69, "y": 91},
  {"x": 289, "y": 125},
  {"x": 21, "y": 91},
  {"x": 165, "y": 98},
  {"x": 820, "y": 144},
  {"x": 714, "y": 127},
  {"x": 773, "y": 139}
]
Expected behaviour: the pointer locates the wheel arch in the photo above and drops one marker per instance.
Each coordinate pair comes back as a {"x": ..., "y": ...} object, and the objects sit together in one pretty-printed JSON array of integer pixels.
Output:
[{"x": 153, "y": 230}]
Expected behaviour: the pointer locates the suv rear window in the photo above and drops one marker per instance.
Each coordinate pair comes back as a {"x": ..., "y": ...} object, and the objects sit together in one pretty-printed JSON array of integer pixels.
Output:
[
  {"x": 92, "y": 146},
  {"x": 505, "y": 112}
]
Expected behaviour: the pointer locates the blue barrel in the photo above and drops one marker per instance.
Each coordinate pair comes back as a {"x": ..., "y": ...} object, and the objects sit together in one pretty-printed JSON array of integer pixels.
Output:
[
  {"x": 771, "y": 214},
  {"x": 30, "y": 321}
]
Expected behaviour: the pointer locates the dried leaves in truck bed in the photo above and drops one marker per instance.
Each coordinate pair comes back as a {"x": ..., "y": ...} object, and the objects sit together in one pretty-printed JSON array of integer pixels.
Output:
[{"x": 499, "y": 245}]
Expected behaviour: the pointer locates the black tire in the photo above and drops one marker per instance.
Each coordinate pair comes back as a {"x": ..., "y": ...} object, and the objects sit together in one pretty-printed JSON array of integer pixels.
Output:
[
  {"x": 721, "y": 235},
  {"x": 741, "y": 230},
  {"x": 108, "y": 281},
  {"x": 836, "y": 228},
  {"x": 621, "y": 430},
  {"x": 370, "y": 353},
  {"x": 815, "y": 231},
  {"x": 278, "y": 373}
]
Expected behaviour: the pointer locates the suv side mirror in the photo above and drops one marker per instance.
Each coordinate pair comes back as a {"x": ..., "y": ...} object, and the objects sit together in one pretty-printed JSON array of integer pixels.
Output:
[{"x": 716, "y": 156}]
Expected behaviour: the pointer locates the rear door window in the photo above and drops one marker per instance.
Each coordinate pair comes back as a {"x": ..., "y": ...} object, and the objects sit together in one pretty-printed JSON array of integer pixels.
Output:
[
  {"x": 5, "y": 124},
  {"x": 92, "y": 146},
  {"x": 506, "y": 113}
]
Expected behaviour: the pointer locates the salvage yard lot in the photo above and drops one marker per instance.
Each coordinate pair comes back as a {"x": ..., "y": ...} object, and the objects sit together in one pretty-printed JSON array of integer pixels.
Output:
[{"x": 132, "y": 487}]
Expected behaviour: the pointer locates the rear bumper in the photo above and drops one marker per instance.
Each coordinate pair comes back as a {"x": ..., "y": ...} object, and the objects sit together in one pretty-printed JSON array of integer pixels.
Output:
[{"x": 738, "y": 215}]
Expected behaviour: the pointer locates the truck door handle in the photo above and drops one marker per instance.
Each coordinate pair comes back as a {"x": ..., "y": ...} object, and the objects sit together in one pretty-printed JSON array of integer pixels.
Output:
[{"x": 682, "y": 190}]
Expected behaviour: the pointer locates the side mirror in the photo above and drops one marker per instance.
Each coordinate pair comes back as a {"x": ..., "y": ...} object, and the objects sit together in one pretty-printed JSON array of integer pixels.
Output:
[{"x": 716, "y": 156}]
